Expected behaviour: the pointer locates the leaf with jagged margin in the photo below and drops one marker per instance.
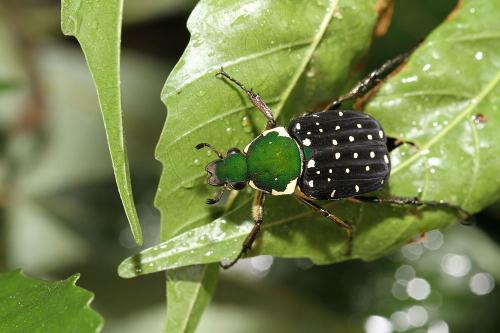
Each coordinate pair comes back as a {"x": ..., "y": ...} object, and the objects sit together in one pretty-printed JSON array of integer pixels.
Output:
[
  {"x": 445, "y": 100},
  {"x": 97, "y": 27},
  {"x": 31, "y": 305}
]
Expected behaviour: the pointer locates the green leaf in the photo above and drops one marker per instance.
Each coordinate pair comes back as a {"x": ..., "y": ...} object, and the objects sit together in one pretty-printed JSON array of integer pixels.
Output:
[
  {"x": 453, "y": 76},
  {"x": 30, "y": 305},
  {"x": 294, "y": 53},
  {"x": 97, "y": 27},
  {"x": 189, "y": 290}
]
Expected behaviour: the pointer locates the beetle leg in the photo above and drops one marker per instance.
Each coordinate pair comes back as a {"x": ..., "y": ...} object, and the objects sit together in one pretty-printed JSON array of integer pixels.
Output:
[
  {"x": 254, "y": 98},
  {"x": 217, "y": 197},
  {"x": 404, "y": 201},
  {"x": 320, "y": 210},
  {"x": 370, "y": 81},
  {"x": 257, "y": 212}
]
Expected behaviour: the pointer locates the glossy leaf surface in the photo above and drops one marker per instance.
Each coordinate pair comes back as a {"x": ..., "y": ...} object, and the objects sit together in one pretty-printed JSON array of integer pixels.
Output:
[
  {"x": 294, "y": 53},
  {"x": 97, "y": 27},
  {"x": 434, "y": 101},
  {"x": 29, "y": 305}
]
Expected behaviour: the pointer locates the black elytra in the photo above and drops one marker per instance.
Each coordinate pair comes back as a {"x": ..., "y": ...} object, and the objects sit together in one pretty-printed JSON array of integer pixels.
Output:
[{"x": 345, "y": 154}]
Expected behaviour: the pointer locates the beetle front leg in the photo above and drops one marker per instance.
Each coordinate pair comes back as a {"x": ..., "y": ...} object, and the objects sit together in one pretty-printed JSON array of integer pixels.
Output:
[
  {"x": 257, "y": 212},
  {"x": 254, "y": 98},
  {"x": 370, "y": 81}
]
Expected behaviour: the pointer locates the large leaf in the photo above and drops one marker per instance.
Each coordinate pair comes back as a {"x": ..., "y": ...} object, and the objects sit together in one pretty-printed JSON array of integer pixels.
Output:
[
  {"x": 29, "y": 305},
  {"x": 292, "y": 52},
  {"x": 97, "y": 27},
  {"x": 451, "y": 78}
]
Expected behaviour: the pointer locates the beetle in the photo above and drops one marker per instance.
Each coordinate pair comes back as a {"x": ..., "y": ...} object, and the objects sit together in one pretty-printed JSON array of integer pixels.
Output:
[{"x": 327, "y": 155}]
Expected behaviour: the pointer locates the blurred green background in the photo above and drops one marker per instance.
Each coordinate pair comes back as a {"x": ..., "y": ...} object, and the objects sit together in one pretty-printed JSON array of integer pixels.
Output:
[{"x": 61, "y": 214}]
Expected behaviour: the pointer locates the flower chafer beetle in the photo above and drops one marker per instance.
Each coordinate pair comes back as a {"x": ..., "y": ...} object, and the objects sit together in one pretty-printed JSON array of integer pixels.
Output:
[{"x": 328, "y": 155}]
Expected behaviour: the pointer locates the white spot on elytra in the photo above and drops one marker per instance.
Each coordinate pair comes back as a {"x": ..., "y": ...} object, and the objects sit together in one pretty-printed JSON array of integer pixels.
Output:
[
  {"x": 341, "y": 113},
  {"x": 317, "y": 124},
  {"x": 337, "y": 156},
  {"x": 355, "y": 155},
  {"x": 347, "y": 170},
  {"x": 367, "y": 168},
  {"x": 334, "y": 142},
  {"x": 380, "y": 134},
  {"x": 306, "y": 142},
  {"x": 318, "y": 172},
  {"x": 333, "y": 193},
  {"x": 337, "y": 127},
  {"x": 386, "y": 159},
  {"x": 311, "y": 163},
  {"x": 369, "y": 136},
  {"x": 382, "y": 181},
  {"x": 356, "y": 188},
  {"x": 359, "y": 125},
  {"x": 329, "y": 179},
  {"x": 308, "y": 133},
  {"x": 330, "y": 171},
  {"x": 372, "y": 154},
  {"x": 351, "y": 138},
  {"x": 297, "y": 126},
  {"x": 321, "y": 130},
  {"x": 311, "y": 183}
]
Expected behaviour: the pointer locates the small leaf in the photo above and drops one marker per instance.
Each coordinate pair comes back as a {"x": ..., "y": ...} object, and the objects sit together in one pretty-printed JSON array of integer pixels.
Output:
[
  {"x": 97, "y": 27},
  {"x": 29, "y": 305},
  {"x": 452, "y": 79}
]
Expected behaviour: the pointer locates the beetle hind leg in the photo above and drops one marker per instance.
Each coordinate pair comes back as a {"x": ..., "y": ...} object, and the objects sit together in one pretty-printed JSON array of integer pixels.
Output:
[
  {"x": 347, "y": 225},
  {"x": 408, "y": 201}
]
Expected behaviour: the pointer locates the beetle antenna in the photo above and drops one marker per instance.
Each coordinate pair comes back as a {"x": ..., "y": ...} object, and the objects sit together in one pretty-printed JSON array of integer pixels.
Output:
[
  {"x": 216, "y": 199},
  {"x": 204, "y": 144}
]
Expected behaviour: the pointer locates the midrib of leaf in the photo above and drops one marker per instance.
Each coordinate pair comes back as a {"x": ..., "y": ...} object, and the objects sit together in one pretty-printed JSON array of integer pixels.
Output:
[
  {"x": 193, "y": 301},
  {"x": 265, "y": 226},
  {"x": 474, "y": 103},
  {"x": 308, "y": 56}
]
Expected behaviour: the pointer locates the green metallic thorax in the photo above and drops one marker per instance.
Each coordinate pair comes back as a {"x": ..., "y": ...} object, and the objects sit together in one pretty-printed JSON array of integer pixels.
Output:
[
  {"x": 274, "y": 162},
  {"x": 233, "y": 168}
]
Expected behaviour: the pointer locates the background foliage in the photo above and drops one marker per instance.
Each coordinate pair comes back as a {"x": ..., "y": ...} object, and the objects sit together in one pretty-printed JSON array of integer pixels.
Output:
[{"x": 61, "y": 216}]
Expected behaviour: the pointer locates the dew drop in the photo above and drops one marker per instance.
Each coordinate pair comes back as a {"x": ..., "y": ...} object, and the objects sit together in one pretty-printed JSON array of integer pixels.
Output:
[
  {"x": 196, "y": 162},
  {"x": 479, "y": 55},
  {"x": 189, "y": 184},
  {"x": 247, "y": 126}
]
